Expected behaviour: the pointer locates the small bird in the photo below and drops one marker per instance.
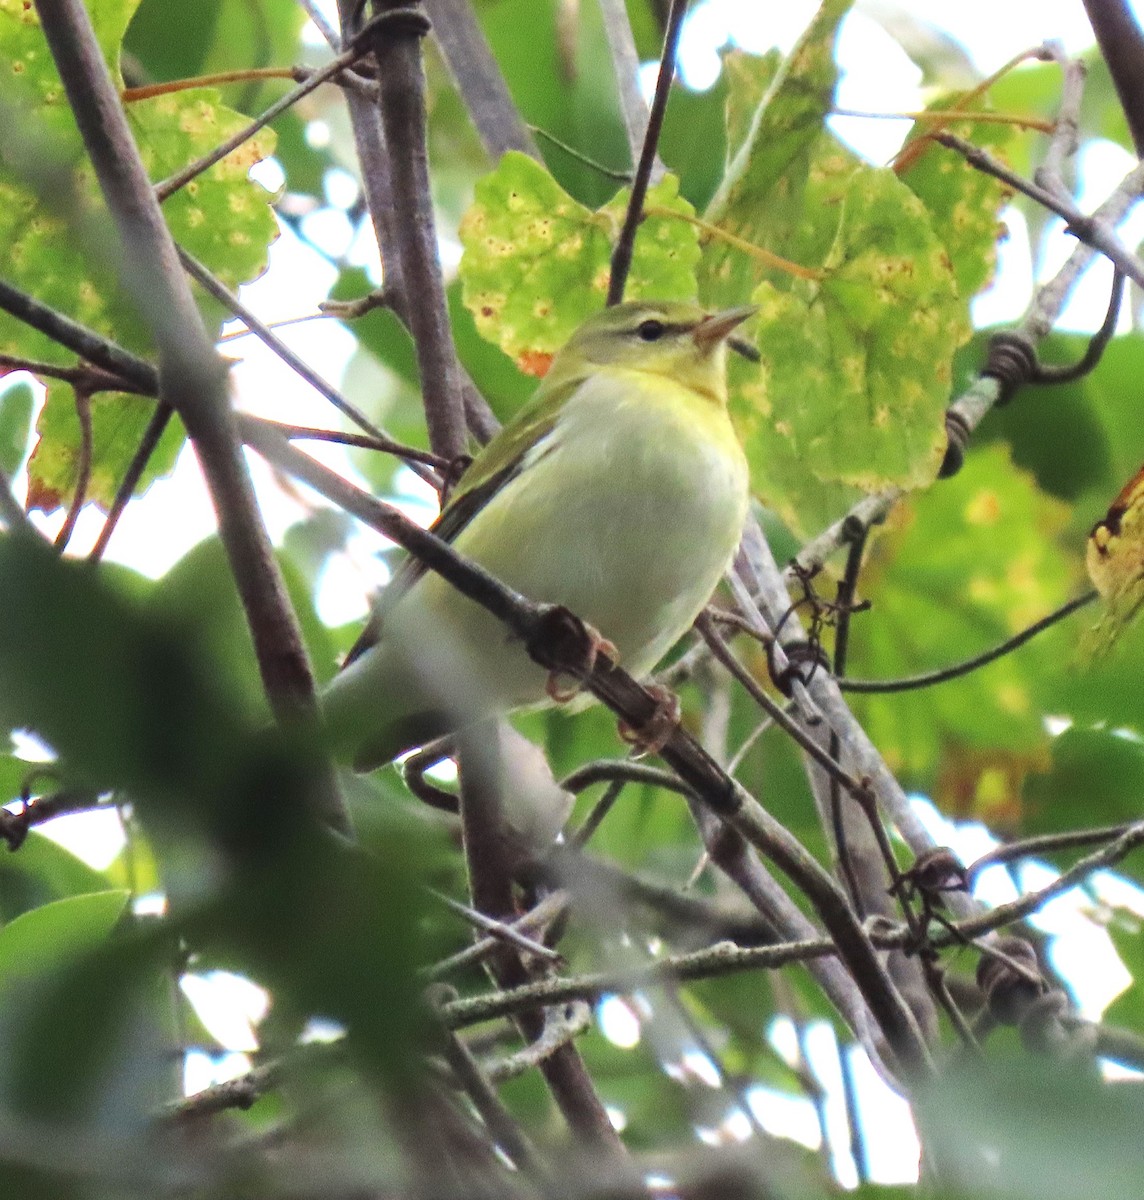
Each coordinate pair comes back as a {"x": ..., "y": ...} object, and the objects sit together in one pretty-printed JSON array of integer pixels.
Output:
[{"x": 619, "y": 491}]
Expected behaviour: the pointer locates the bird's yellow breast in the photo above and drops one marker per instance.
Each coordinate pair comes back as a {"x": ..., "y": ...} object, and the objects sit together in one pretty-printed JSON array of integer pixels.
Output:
[{"x": 627, "y": 513}]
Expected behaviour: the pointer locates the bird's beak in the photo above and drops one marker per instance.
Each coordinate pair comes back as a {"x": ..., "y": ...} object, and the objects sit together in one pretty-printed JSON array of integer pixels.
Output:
[{"x": 718, "y": 326}]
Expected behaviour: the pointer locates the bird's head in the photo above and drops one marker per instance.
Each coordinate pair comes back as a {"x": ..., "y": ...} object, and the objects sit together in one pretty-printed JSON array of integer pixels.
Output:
[{"x": 683, "y": 342}]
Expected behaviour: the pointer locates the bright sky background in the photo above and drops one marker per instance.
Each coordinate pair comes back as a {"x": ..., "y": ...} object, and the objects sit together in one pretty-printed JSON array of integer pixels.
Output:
[{"x": 877, "y": 76}]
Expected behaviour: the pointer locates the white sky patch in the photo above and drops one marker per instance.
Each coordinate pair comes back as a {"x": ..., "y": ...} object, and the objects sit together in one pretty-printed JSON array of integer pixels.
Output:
[
  {"x": 95, "y": 837},
  {"x": 201, "y": 1070},
  {"x": 329, "y": 229},
  {"x": 1011, "y": 290},
  {"x": 894, "y": 87},
  {"x": 618, "y": 1022},
  {"x": 784, "y": 1115},
  {"x": 229, "y": 1005},
  {"x": 888, "y": 1131}
]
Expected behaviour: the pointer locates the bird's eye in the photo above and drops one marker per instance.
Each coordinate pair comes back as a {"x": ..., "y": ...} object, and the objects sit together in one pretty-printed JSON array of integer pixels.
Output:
[{"x": 651, "y": 331}]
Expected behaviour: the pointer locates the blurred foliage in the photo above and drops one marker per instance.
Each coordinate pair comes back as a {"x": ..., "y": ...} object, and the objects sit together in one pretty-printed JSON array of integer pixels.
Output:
[
  {"x": 58, "y": 235},
  {"x": 146, "y": 696}
]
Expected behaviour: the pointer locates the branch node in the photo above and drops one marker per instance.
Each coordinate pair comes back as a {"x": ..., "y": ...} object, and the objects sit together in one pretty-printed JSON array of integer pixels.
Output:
[{"x": 1012, "y": 361}]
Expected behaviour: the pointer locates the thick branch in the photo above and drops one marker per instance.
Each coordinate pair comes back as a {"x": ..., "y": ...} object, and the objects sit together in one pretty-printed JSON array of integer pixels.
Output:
[
  {"x": 192, "y": 377},
  {"x": 478, "y": 78},
  {"x": 397, "y": 47},
  {"x": 1122, "y": 44}
]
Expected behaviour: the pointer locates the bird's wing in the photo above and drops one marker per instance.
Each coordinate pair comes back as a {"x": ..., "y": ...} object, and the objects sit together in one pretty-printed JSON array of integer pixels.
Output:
[{"x": 497, "y": 463}]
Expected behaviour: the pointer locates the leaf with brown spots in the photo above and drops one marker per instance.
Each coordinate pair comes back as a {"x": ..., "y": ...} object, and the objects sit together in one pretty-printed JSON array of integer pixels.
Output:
[
  {"x": 536, "y": 262},
  {"x": 964, "y": 203},
  {"x": 855, "y": 375},
  {"x": 222, "y": 218},
  {"x": 1115, "y": 562}
]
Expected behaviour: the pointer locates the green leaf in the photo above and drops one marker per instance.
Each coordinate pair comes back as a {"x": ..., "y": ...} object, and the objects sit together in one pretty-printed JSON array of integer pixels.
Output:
[
  {"x": 117, "y": 426},
  {"x": 1036, "y": 1126},
  {"x": 1096, "y": 778},
  {"x": 1128, "y": 1008},
  {"x": 749, "y": 76},
  {"x": 15, "y": 425},
  {"x": 555, "y": 60},
  {"x": 964, "y": 203},
  {"x": 775, "y": 129},
  {"x": 536, "y": 262},
  {"x": 222, "y": 218},
  {"x": 54, "y": 934},
  {"x": 42, "y": 871},
  {"x": 858, "y": 334},
  {"x": 856, "y": 371},
  {"x": 956, "y": 571},
  {"x": 162, "y": 56}
]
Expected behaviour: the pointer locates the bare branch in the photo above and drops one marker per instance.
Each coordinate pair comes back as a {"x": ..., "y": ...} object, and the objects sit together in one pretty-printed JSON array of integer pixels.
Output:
[
  {"x": 478, "y": 78},
  {"x": 397, "y": 48},
  {"x": 1122, "y": 44},
  {"x": 930, "y": 678},
  {"x": 193, "y": 380},
  {"x": 311, "y": 83},
  {"x": 626, "y": 67}
]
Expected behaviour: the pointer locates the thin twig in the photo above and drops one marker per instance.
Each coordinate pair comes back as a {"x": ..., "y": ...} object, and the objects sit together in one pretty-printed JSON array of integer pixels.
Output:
[
  {"x": 207, "y": 280},
  {"x": 930, "y": 678},
  {"x": 499, "y": 930},
  {"x": 314, "y": 80},
  {"x": 561, "y": 1025},
  {"x": 1083, "y": 227},
  {"x": 551, "y": 907},
  {"x": 152, "y": 435},
  {"x": 314, "y": 12},
  {"x": 82, "y": 472},
  {"x": 1045, "y": 843},
  {"x": 138, "y": 375},
  {"x": 384, "y": 445},
  {"x": 1122, "y": 44},
  {"x": 1053, "y": 373},
  {"x": 722, "y": 959},
  {"x": 501, "y": 1124},
  {"x": 845, "y": 598},
  {"x": 625, "y": 244},
  {"x": 83, "y": 376},
  {"x": 14, "y": 826},
  {"x": 723, "y": 654}
]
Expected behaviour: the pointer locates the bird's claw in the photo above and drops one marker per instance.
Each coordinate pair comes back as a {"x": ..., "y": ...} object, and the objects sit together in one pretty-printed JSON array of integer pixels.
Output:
[
  {"x": 560, "y": 692},
  {"x": 652, "y": 735}
]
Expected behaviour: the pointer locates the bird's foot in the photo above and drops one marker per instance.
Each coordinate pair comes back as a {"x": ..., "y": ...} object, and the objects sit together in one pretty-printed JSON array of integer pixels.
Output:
[
  {"x": 564, "y": 685},
  {"x": 652, "y": 735}
]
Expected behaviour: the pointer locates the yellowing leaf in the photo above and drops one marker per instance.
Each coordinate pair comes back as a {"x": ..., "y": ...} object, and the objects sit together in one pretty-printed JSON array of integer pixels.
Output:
[
  {"x": 856, "y": 365},
  {"x": 964, "y": 203},
  {"x": 1115, "y": 562},
  {"x": 857, "y": 337},
  {"x": 222, "y": 218},
  {"x": 537, "y": 262}
]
